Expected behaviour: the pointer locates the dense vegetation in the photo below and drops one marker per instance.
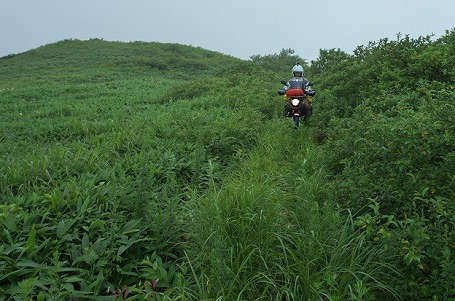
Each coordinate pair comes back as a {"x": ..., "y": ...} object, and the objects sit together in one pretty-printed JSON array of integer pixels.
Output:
[
  {"x": 387, "y": 122},
  {"x": 148, "y": 171}
]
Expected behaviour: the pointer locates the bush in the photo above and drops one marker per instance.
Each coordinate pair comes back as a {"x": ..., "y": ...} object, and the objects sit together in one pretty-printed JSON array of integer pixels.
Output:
[{"x": 391, "y": 153}]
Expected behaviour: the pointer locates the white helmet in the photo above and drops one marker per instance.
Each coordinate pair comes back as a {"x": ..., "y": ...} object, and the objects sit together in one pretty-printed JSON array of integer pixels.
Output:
[{"x": 297, "y": 68}]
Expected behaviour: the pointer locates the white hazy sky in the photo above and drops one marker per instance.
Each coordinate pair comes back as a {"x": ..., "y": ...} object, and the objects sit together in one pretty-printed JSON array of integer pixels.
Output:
[{"x": 240, "y": 28}]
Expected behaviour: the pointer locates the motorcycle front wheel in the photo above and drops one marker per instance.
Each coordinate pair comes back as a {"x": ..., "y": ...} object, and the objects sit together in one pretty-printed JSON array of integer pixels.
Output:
[{"x": 296, "y": 119}]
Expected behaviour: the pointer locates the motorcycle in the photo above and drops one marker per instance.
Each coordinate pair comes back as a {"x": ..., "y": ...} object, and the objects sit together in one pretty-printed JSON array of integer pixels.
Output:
[{"x": 298, "y": 104}]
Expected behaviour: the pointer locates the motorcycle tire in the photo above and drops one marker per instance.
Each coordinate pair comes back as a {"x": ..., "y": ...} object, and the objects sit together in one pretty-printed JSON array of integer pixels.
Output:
[{"x": 296, "y": 120}]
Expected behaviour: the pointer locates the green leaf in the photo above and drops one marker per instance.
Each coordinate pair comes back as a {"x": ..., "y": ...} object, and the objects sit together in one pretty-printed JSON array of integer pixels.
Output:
[
  {"x": 74, "y": 279},
  {"x": 31, "y": 241},
  {"x": 121, "y": 250},
  {"x": 62, "y": 227},
  {"x": 95, "y": 285},
  {"x": 84, "y": 206},
  {"x": 85, "y": 242},
  {"x": 28, "y": 264},
  {"x": 130, "y": 226},
  {"x": 27, "y": 285}
]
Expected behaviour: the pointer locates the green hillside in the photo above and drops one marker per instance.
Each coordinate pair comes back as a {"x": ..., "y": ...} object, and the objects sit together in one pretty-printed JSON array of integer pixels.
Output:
[{"x": 150, "y": 171}]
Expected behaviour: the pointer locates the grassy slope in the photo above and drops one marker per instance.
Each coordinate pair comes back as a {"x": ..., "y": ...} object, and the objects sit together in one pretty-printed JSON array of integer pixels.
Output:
[{"x": 120, "y": 161}]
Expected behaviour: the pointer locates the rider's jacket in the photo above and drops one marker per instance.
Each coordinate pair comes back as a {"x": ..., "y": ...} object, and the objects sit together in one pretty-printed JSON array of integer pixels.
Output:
[{"x": 299, "y": 83}]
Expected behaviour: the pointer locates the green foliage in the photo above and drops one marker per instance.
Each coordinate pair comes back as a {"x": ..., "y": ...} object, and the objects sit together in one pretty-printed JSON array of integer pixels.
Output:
[
  {"x": 270, "y": 233},
  {"x": 280, "y": 63},
  {"x": 148, "y": 171},
  {"x": 327, "y": 58},
  {"x": 388, "y": 129},
  {"x": 94, "y": 169}
]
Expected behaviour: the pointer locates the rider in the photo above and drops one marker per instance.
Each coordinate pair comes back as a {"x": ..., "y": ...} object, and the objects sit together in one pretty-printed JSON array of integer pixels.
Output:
[{"x": 299, "y": 82}]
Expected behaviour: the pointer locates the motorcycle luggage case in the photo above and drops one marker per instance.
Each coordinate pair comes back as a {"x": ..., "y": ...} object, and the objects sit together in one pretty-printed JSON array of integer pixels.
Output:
[{"x": 294, "y": 93}]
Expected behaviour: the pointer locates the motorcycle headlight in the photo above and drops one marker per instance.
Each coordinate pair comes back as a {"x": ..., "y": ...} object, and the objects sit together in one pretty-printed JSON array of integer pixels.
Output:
[{"x": 295, "y": 102}]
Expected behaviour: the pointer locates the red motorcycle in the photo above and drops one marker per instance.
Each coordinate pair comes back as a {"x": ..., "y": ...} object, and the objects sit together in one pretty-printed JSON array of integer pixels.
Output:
[{"x": 298, "y": 104}]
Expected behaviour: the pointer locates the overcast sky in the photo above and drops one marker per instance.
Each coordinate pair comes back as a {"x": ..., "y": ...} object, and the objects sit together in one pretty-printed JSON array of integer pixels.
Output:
[{"x": 240, "y": 28}]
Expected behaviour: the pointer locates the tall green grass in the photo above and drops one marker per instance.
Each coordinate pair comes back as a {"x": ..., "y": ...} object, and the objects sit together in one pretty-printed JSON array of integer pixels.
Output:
[
  {"x": 149, "y": 171},
  {"x": 271, "y": 232}
]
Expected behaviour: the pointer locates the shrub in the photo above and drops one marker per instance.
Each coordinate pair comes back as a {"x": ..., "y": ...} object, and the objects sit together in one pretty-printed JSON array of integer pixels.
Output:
[{"x": 394, "y": 147}]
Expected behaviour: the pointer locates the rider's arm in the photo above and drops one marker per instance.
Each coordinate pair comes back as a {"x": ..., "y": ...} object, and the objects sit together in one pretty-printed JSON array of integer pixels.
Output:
[{"x": 308, "y": 89}]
